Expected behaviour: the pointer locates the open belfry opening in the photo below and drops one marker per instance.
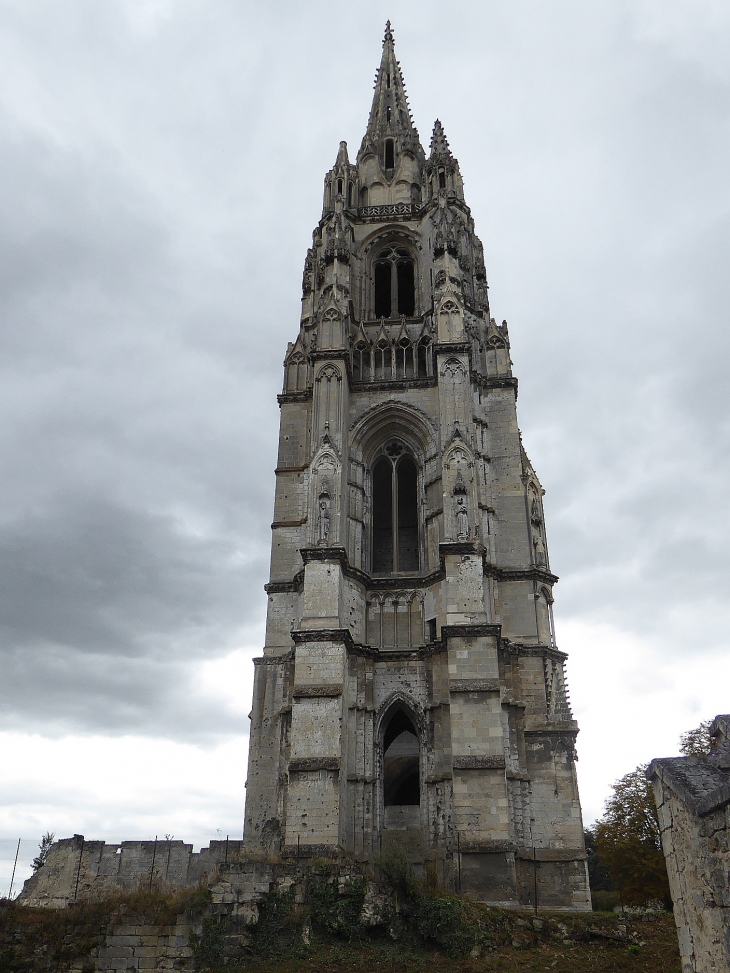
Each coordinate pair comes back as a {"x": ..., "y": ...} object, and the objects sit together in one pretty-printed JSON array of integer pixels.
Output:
[{"x": 410, "y": 685}]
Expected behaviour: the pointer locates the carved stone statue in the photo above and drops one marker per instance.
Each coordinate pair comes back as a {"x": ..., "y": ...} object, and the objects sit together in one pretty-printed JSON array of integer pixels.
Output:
[
  {"x": 462, "y": 520},
  {"x": 323, "y": 522},
  {"x": 537, "y": 543},
  {"x": 535, "y": 514}
]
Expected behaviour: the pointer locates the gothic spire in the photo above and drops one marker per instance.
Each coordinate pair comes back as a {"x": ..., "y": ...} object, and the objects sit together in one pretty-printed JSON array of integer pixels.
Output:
[{"x": 390, "y": 115}]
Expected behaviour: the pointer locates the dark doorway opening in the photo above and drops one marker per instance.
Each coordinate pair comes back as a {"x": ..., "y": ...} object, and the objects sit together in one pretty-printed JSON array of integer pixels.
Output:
[{"x": 401, "y": 774}]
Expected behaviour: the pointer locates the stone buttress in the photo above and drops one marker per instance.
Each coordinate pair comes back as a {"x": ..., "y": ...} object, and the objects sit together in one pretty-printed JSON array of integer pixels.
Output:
[{"x": 410, "y": 685}]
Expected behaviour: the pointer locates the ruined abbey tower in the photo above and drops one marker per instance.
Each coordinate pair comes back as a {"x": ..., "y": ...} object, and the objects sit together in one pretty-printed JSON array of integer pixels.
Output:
[{"x": 410, "y": 685}]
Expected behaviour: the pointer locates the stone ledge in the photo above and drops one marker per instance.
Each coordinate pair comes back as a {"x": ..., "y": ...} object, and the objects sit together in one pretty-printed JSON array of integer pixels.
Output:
[
  {"x": 317, "y": 692},
  {"x": 478, "y": 763},
  {"x": 474, "y": 686},
  {"x": 305, "y": 765}
]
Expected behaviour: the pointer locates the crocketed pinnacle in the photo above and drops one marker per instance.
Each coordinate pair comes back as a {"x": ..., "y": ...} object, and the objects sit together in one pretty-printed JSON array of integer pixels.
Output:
[{"x": 440, "y": 150}]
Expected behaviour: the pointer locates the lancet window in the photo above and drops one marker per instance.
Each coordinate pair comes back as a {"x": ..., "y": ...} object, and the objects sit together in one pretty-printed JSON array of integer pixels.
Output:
[
  {"x": 361, "y": 361},
  {"x": 395, "y": 289},
  {"x": 395, "y": 547},
  {"x": 401, "y": 773}
]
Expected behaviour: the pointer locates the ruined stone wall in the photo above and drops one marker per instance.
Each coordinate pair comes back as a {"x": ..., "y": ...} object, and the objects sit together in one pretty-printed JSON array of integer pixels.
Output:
[
  {"x": 697, "y": 852},
  {"x": 77, "y": 869}
]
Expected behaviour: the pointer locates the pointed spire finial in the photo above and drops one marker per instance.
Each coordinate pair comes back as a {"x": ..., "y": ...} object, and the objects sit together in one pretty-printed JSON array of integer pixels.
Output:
[{"x": 390, "y": 116}]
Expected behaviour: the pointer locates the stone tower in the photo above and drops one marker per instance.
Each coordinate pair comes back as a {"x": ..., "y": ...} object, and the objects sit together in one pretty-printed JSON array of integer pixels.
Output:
[{"x": 410, "y": 684}]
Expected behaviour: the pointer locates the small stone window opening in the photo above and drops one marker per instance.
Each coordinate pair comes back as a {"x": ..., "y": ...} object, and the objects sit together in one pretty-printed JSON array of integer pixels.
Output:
[
  {"x": 442, "y": 179},
  {"x": 389, "y": 153},
  {"x": 395, "y": 512},
  {"x": 430, "y": 629},
  {"x": 401, "y": 775},
  {"x": 339, "y": 187},
  {"x": 387, "y": 114},
  {"x": 349, "y": 194},
  {"x": 387, "y": 81}
]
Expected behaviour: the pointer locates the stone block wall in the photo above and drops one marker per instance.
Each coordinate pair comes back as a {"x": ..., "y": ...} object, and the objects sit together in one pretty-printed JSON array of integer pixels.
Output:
[
  {"x": 77, "y": 869},
  {"x": 137, "y": 945}
]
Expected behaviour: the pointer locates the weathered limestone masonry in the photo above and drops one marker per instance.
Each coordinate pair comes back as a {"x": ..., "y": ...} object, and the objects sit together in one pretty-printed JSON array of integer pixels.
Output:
[
  {"x": 77, "y": 869},
  {"x": 693, "y": 800},
  {"x": 410, "y": 684},
  {"x": 137, "y": 945}
]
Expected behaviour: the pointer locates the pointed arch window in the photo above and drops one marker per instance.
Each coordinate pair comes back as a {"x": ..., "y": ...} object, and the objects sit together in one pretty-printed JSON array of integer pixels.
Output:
[
  {"x": 395, "y": 283},
  {"x": 361, "y": 362},
  {"x": 425, "y": 358},
  {"x": 401, "y": 771},
  {"x": 404, "y": 358},
  {"x": 395, "y": 512},
  {"x": 383, "y": 360},
  {"x": 389, "y": 153}
]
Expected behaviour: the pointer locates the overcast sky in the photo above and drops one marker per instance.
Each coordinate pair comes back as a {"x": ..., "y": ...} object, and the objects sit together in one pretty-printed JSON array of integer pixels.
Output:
[{"x": 162, "y": 165}]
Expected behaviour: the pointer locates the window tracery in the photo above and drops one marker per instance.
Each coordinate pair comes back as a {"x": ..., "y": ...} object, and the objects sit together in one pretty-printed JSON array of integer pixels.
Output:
[
  {"x": 394, "y": 278},
  {"x": 395, "y": 533}
]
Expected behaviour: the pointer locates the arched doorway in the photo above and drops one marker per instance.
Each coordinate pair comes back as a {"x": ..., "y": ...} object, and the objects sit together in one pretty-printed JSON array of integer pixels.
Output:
[{"x": 401, "y": 783}]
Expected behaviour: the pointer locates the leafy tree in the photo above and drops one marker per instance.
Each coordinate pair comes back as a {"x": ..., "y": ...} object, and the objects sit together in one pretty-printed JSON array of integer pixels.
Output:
[
  {"x": 697, "y": 742},
  {"x": 43, "y": 848},
  {"x": 598, "y": 874},
  {"x": 628, "y": 841}
]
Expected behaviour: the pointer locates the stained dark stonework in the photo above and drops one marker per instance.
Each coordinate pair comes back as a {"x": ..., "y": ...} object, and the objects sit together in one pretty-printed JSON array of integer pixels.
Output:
[
  {"x": 693, "y": 801},
  {"x": 410, "y": 683}
]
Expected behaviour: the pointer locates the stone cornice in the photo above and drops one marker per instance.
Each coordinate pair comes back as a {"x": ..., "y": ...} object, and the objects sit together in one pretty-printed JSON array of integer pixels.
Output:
[
  {"x": 474, "y": 686},
  {"x": 453, "y": 348},
  {"x": 521, "y": 574},
  {"x": 564, "y": 728},
  {"x": 507, "y": 382},
  {"x": 305, "y": 765},
  {"x": 285, "y": 397},
  {"x": 480, "y": 630},
  {"x": 542, "y": 651},
  {"x": 395, "y": 384},
  {"x": 323, "y": 635},
  {"x": 473, "y": 762},
  {"x": 274, "y": 660},
  {"x": 331, "y": 354},
  {"x": 317, "y": 692},
  {"x": 405, "y": 582}
]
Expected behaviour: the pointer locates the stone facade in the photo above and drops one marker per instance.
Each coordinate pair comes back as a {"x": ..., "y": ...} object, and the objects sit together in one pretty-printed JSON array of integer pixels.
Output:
[
  {"x": 693, "y": 801},
  {"x": 410, "y": 683}
]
